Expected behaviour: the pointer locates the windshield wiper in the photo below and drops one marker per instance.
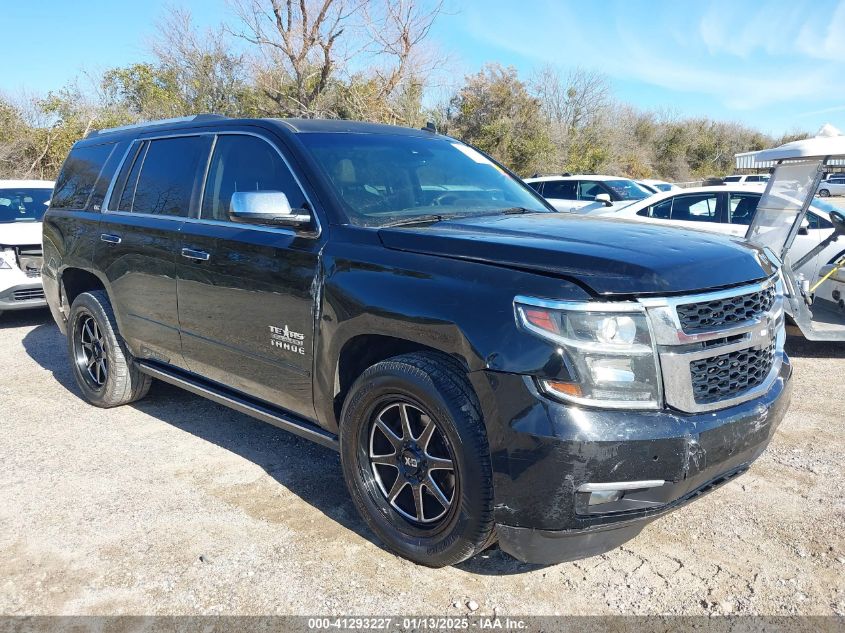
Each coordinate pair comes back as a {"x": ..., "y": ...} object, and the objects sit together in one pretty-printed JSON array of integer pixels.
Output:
[{"x": 417, "y": 219}]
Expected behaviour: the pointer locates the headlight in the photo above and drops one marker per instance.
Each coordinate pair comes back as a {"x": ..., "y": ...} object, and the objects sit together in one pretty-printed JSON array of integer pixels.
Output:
[
  {"x": 608, "y": 347},
  {"x": 6, "y": 259}
]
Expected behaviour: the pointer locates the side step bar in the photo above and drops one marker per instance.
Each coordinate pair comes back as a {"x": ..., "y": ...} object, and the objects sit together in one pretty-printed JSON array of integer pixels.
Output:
[{"x": 261, "y": 412}]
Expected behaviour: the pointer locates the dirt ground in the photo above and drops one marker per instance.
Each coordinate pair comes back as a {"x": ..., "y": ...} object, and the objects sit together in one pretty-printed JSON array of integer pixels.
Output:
[{"x": 176, "y": 505}]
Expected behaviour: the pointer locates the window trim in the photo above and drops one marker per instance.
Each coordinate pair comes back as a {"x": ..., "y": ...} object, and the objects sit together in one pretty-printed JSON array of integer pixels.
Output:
[{"x": 199, "y": 220}]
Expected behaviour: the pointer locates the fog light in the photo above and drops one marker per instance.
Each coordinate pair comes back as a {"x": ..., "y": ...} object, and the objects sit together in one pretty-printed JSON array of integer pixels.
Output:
[{"x": 604, "y": 496}]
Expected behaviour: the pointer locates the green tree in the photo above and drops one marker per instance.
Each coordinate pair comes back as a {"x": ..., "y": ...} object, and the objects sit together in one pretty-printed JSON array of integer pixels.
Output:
[{"x": 495, "y": 112}]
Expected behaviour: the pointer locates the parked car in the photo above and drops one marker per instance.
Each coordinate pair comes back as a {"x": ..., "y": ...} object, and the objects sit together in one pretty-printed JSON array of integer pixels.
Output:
[
  {"x": 22, "y": 206},
  {"x": 587, "y": 193},
  {"x": 833, "y": 186},
  {"x": 730, "y": 210},
  {"x": 489, "y": 369},
  {"x": 657, "y": 186},
  {"x": 746, "y": 179}
]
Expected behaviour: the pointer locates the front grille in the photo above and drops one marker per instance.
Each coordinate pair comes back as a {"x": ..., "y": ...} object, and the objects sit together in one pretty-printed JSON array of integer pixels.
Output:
[
  {"x": 729, "y": 375},
  {"x": 712, "y": 315},
  {"x": 28, "y": 295}
]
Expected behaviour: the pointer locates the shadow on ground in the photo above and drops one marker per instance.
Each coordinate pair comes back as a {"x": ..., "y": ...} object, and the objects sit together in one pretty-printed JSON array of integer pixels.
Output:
[
  {"x": 310, "y": 471},
  {"x": 800, "y": 347}
]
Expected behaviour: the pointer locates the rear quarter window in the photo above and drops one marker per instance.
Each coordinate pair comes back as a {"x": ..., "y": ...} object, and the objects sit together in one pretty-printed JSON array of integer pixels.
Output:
[{"x": 79, "y": 176}]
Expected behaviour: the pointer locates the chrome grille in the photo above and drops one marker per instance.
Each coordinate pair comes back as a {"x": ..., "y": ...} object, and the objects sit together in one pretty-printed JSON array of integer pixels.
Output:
[
  {"x": 729, "y": 375},
  {"x": 29, "y": 294},
  {"x": 721, "y": 348},
  {"x": 710, "y": 315}
]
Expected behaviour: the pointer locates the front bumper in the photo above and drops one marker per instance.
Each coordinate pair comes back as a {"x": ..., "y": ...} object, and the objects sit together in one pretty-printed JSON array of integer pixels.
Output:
[
  {"x": 22, "y": 296},
  {"x": 543, "y": 451}
]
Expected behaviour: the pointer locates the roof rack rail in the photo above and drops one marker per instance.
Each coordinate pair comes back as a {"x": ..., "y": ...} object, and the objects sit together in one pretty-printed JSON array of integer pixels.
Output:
[
  {"x": 545, "y": 175},
  {"x": 182, "y": 119}
]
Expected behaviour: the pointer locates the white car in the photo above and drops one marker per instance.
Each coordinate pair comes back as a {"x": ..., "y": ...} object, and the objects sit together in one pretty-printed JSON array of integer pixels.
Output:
[
  {"x": 730, "y": 210},
  {"x": 657, "y": 186},
  {"x": 22, "y": 205},
  {"x": 833, "y": 186},
  {"x": 746, "y": 179},
  {"x": 587, "y": 193}
]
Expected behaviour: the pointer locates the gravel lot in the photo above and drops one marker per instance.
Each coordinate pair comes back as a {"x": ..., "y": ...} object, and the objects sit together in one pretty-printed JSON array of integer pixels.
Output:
[{"x": 176, "y": 505}]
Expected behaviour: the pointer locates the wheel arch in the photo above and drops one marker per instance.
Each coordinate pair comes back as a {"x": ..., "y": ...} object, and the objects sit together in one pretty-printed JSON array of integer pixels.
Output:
[
  {"x": 365, "y": 350},
  {"x": 73, "y": 281}
]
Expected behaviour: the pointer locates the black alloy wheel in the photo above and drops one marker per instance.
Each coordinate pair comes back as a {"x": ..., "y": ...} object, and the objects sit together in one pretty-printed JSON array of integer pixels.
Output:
[
  {"x": 90, "y": 353},
  {"x": 412, "y": 463}
]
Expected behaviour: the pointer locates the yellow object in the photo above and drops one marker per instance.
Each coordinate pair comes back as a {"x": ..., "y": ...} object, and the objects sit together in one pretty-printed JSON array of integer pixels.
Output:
[{"x": 836, "y": 266}]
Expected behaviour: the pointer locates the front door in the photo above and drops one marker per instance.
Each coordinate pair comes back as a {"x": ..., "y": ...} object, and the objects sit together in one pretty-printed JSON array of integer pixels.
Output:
[
  {"x": 247, "y": 293},
  {"x": 139, "y": 236}
]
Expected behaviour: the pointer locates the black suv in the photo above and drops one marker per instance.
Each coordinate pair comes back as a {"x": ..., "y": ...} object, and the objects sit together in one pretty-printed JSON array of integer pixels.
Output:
[{"x": 488, "y": 369}]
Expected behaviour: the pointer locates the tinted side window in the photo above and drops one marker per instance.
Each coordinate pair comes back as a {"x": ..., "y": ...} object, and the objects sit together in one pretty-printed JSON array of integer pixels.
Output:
[
  {"x": 731, "y": 179},
  {"x": 128, "y": 178},
  {"x": 589, "y": 189},
  {"x": 95, "y": 202},
  {"x": 818, "y": 222},
  {"x": 742, "y": 207},
  {"x": 695, "y": 208},
  {"x": 662, "y": 210},
  {"x": 563, "y": 189},
  {"x": 245, "y": 163},
  {"x": 168, "y": 175},
  {"x": 536, "y": 186},
  {"x": 79, "y": 175}
]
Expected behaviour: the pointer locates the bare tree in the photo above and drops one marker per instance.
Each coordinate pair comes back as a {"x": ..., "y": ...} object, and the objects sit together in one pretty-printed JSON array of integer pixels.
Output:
[
  {"x": 341, "y": 57},
  {"x": 397, "y": 29},
  {"x": 301, "y": 38}
]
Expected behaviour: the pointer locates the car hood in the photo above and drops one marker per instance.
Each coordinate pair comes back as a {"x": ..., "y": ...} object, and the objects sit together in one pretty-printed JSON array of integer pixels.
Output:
[
  {"x": 20, "y": 233},
  {"x": 610, "y": 257}
]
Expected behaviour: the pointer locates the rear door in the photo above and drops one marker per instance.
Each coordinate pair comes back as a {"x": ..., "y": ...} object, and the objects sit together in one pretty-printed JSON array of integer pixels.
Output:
[
  {"x": 562, "y": 194},
  {"x": 247, "y": 293},
  {"x": 139, "y": 237}
]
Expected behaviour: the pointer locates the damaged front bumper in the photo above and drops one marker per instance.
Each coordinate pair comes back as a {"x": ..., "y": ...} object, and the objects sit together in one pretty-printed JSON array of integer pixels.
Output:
[{"x": 548, "y": 457}]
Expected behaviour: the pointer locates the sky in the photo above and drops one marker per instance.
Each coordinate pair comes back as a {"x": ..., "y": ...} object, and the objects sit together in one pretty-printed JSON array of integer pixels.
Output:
[{"x": 776, "y": 65}]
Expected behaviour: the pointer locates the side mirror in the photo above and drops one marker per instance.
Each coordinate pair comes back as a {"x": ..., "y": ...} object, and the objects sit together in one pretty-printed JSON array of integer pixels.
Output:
[
  {"x": 837, "y": 218},
  {"x": 604, "y": 198},
  {"x": 804, "y": 229},
  {"x": 266, "y": 207}
]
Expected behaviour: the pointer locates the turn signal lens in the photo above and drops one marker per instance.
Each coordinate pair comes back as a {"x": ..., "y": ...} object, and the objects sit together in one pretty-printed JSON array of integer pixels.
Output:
[
  {"x": 564, "y": 388},
  {"x": 542, "y": 319}
]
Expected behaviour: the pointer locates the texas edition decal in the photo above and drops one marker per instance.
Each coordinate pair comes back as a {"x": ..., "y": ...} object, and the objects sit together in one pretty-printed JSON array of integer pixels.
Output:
[{"x": 287, "y": 339}]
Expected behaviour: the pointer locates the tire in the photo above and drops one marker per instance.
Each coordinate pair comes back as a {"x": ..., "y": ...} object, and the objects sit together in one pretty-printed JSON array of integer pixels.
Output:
[
  {"x": 442, "y": 423},
  {"x": 101, "y": 363},
  {"x": 824, "y": 193}
]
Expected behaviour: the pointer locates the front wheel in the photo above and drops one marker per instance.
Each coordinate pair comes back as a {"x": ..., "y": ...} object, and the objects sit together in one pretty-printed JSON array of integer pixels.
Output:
[
  {"x": 824, "y": 193},
  {"x": 415, "y": 457}
]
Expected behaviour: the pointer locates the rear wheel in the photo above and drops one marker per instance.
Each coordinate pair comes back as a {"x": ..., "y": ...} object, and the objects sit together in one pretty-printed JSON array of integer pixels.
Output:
[
  {"x": 102, "y": 365},
  {"x": 416, "y": 461},
  {"x": 824, "y": 193}
]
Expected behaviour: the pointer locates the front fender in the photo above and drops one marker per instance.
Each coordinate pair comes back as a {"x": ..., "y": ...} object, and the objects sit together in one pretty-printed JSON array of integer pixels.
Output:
[{"x": 464, "y": 309}]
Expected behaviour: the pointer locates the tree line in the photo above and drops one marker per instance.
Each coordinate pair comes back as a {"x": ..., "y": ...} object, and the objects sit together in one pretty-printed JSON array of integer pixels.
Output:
[{"x": 375, "y": 61}]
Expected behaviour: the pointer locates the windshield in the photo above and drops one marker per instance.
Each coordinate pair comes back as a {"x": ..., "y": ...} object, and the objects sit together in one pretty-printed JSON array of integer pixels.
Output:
[
  {"x": 627, "y": 189},
  {"x": 23, "y": 205},
  {"x": 381, "y": 179}
]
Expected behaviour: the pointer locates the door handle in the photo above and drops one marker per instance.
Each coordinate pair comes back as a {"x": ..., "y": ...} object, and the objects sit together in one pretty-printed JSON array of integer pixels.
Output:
[
  {"x": 111, "y": 239},
  {"x": 190, "y": 253}
]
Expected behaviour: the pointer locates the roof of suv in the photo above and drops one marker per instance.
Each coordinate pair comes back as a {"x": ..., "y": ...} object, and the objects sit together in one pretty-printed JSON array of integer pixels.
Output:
[
  {"x": 575, "y": 177},
  {"x": 295, "y": 126}
]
